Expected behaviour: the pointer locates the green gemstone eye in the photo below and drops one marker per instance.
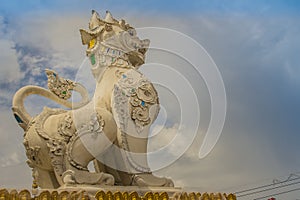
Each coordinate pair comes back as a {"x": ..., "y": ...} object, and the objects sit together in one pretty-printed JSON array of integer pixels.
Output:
[{"x": 93, "y": 59}]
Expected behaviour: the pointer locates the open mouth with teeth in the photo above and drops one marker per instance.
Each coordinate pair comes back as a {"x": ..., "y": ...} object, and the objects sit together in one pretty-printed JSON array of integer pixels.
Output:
[{"x": 137, "y": 58}]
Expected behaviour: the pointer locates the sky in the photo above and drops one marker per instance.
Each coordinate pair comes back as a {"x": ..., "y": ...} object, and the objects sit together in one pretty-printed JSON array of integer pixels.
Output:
[{"x": 255, "y": 45}]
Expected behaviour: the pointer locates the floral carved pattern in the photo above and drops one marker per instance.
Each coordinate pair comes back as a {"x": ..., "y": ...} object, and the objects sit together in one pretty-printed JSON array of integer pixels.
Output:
[
  {"x": 64, "y": 128},
  {"x": 140, "y": 94},
  {"x": 140, "y": 101},
  {"x": 59, "y": 86},
  {"x": 32, "y": 153}
]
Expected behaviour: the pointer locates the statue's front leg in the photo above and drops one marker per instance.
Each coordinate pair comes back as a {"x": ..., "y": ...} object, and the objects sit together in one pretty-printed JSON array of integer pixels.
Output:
[
  {"x": 135, "y": 163},
  {"x": 135, "y": 106}
]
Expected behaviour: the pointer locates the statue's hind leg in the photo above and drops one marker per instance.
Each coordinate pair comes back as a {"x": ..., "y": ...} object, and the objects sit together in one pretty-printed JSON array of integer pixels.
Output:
[
  {"x": 93, "y": 137},
  {"x": 45, "y": 178}
]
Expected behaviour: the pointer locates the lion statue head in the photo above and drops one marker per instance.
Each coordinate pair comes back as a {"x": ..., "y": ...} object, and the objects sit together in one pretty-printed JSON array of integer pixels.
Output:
[{"x": 110, "y": 42}]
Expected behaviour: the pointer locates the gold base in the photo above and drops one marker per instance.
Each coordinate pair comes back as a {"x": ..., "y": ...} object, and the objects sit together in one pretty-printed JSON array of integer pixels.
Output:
[{"x": 139, "y": 194}]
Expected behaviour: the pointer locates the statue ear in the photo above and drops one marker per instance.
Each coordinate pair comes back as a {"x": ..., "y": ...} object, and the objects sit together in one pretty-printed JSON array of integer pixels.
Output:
[
  {"x": 122, "y": 24},
  {"x": 95, "y": 21},
  {"x": 86, "y": 37}
]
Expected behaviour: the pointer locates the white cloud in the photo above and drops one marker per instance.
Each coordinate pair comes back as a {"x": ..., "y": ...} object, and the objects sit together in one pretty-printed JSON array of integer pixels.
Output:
[
  {"x": 16, "y": 176},
  {"x": 164, "y": 136},
  {"x": 232, "y": 163},
  {"x": 57, "y": 35},
  {"x": 14, "y": 171},
  {"x": 11, "y": 160},
  {"x": 9, "y": 70}
]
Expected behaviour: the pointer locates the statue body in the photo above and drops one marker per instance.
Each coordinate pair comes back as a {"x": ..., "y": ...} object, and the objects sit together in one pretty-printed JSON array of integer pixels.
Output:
[{"x": 111, "y": 129}]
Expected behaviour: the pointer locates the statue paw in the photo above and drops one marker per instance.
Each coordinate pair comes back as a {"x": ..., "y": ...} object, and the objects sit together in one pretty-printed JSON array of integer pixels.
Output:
[
  {"x": 71, "y": 177},
  {"x": 108, "y": 179},
  {"x": 151, "y": 180},
  {"x": 68, "y": 177}
]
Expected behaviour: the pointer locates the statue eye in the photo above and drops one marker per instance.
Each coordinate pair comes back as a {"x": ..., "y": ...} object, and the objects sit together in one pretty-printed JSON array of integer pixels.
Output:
[
  {"x": 92, "y": 43},
  {"x": 108, "y": 27}
]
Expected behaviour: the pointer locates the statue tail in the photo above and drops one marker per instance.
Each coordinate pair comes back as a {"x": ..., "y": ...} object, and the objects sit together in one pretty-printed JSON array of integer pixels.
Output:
[{"x": 23, "y": 117}]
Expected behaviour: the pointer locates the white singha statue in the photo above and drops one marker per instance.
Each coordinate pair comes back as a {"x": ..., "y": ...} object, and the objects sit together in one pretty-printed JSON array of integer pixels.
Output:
[{"x": 111, "y": 129}]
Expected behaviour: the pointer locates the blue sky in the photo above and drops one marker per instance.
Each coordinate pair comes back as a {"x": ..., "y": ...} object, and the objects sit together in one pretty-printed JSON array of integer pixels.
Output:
[
  {"x": 255, "y": 44},
  {"x": 176, "y": 7}
]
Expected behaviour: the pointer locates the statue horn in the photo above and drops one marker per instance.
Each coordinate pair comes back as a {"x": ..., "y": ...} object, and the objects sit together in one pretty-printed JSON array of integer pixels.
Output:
[
  {"x": 109, "y": 18},
  {"x": 95, "y": 21}
]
